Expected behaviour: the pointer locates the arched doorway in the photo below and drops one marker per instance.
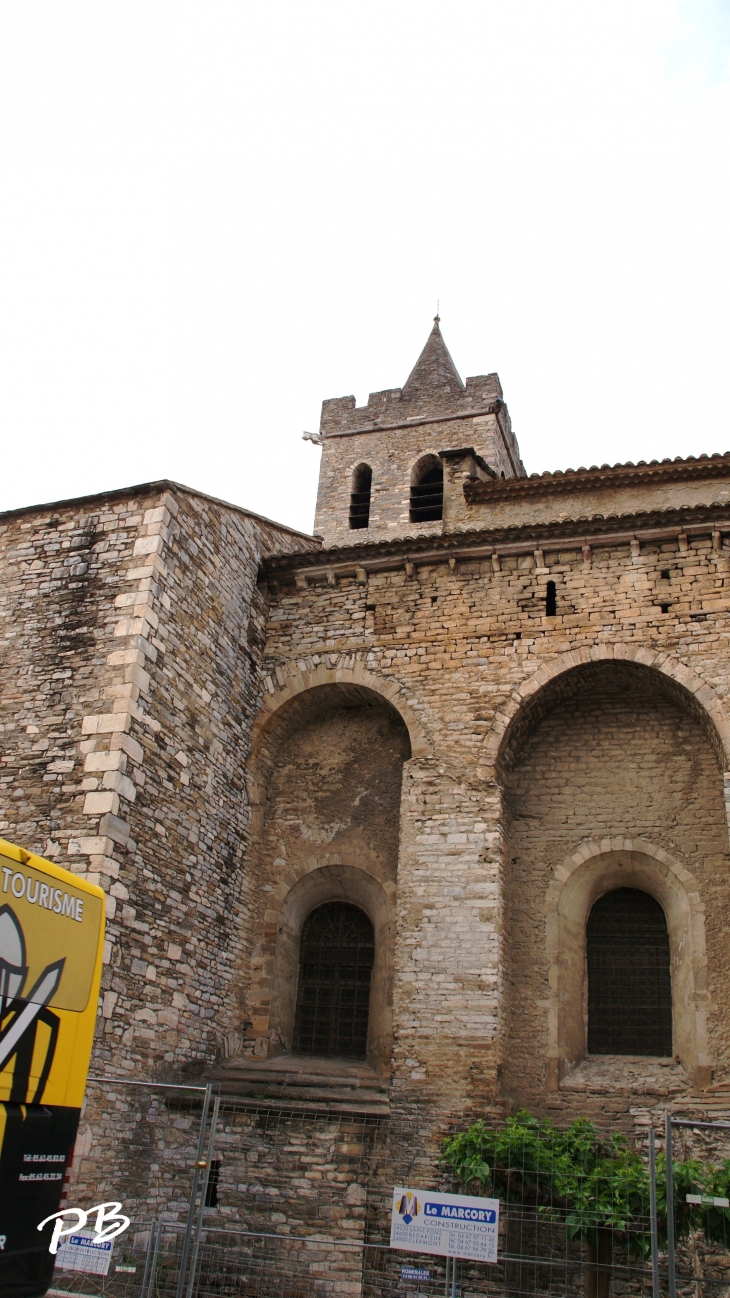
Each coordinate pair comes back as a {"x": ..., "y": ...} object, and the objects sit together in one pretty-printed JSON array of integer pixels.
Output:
[
  {"x": 336, "y": 959},
  {"x": 629, "y": 979}
]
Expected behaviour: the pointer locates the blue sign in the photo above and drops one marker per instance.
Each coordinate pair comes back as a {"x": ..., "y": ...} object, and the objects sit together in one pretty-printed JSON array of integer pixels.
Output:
[{"x": 459, "y": 1212}]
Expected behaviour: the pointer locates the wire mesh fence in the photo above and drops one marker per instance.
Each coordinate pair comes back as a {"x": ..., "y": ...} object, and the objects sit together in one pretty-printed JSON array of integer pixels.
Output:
[
  {"x": 239, "y": 1262},
  {"x": 295, "y": 1203},
  {"x": 699, "y": 1229}
]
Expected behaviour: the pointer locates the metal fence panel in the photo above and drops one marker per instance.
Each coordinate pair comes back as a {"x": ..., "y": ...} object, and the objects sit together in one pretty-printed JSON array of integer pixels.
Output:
[{"x": 298, "y": 1206}]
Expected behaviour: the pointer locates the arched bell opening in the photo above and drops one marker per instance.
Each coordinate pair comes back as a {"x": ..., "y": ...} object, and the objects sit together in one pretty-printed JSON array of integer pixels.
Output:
[
  {"x": 427, "y": 490},
  {"x": 362, "y": 483}
]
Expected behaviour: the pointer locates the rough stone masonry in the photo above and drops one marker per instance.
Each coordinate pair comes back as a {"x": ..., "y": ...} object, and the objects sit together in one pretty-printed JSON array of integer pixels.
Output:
[{"x": 470, "y": 726}]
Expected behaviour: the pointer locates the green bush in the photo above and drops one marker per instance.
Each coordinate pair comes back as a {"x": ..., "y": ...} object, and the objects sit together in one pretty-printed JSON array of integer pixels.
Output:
[{"x": 590, "y": 1182}]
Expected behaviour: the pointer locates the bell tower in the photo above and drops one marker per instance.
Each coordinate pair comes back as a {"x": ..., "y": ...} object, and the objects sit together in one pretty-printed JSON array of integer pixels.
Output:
[{"x": 396, "y": 466}]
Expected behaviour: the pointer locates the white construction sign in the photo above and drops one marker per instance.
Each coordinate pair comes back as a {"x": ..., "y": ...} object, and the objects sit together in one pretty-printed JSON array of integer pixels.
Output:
[
  {"x": 80, "y": 1253},
  {"x": 450, "y": 1225}
]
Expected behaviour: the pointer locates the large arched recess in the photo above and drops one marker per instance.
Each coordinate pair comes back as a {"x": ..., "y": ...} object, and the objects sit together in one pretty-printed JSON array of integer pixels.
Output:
[
  {"x": 325, "y": 784},
  {"x": 295, "y": 696},
  {"x": 610, "y": 751},
  {"x": 692, "y": 689}
]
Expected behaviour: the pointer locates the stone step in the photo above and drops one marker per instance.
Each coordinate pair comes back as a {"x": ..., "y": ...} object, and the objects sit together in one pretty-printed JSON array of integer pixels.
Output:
[
  {"x": 302, "y": 1064},
  {"x": 342, "y": 1094},
  {"x": 304, "y": 1080},
  {"x": 299, "y": 1079},
  {"x": 323, "y": 1104}
]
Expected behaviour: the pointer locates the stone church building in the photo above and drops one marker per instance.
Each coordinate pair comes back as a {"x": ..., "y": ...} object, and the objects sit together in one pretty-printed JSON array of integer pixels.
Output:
[{"x": 428, "y": 809}]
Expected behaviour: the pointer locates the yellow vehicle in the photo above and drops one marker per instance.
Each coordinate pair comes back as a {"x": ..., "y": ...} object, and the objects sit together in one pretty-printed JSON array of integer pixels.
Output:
[{"x": 51, "y": 943}]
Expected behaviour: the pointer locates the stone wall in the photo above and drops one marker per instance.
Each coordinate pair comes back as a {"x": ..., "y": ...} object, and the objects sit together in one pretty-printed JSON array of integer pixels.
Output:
[
  {"x": 619, "y": 491},
  {"x": 460, "y": 646},
  {"x": 129, "y": 684},
  {"x": 310, "y": 1188},
  {"x": 393, "y": 703}
]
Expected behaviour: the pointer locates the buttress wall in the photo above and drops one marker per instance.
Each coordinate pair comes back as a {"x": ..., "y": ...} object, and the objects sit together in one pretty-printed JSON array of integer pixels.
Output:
[{"x": 131, "y": 638}]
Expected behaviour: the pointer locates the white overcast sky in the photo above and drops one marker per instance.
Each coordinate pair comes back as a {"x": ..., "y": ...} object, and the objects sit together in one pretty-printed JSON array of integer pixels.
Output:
[{"x": 214, "y": 215}]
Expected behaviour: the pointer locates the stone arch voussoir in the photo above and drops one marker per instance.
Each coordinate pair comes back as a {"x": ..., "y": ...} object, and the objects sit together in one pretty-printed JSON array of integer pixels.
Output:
[
  {"x": 705, "y": 697},
  {"x": 304, "y": 679}
]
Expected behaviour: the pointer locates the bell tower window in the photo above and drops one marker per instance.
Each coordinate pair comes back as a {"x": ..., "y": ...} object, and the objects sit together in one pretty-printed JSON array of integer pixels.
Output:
[
  {"x": 629, "y": 979},
  {"x": 427, "y": 490},
  {"x": 336, "y": 959},
  {"x": 362, "y": 481}
]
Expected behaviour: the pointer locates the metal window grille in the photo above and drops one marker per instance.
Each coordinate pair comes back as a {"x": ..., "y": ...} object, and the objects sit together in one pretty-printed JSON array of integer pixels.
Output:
[
  {"x": 362, "y": 481},
  {"x": 427, "y": 495},
  {"x": 333, "y": 1001},
  {"x": 629, "y": 982}
]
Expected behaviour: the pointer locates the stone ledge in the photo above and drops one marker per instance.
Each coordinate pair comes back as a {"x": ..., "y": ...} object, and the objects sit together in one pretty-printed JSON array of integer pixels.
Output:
[{"x": 627, "y": 1074}]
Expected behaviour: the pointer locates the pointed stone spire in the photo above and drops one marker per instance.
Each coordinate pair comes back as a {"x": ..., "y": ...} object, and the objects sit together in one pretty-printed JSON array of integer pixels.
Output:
[{"x": 434, "y": 371}]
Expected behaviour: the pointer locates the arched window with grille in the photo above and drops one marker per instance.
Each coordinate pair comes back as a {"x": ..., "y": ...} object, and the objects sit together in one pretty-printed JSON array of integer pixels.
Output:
[
  {"x": 629, "y": 978},
  {"x": 362, "y": 482},
  {"x": 336, "y": 958},
  {"x": 427, "y": 490}
]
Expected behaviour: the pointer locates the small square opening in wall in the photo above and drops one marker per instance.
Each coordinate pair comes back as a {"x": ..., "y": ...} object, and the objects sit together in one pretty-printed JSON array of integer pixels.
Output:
[
  {"x": 664, "y": 608},
  {"x": 665, "y": 574}
]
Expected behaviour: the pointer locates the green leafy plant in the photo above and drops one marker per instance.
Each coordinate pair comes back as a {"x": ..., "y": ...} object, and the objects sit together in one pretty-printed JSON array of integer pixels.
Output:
[
  {"x": 597, "y": 1186},
  {"x": 695, "y": 1177},
  {"x": 573, "y": 1174}
]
